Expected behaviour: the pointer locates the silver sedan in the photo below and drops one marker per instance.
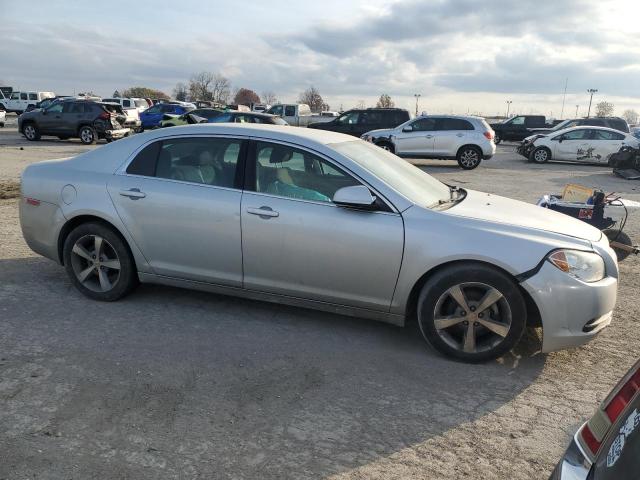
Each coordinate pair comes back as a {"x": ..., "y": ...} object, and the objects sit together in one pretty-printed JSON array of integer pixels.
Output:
[{"x": 320, "y": 220}]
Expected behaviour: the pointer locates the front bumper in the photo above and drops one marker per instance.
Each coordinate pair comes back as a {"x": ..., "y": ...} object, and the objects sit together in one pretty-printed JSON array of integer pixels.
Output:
[
  {"x": 572, "y": 311},
  {"x": 525, "y": 148}
]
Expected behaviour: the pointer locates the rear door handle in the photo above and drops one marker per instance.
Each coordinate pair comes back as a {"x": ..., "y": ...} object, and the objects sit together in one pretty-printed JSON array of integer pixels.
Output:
[
  {"x": 428, "y": 136},
  {"x": 133, "y": 193},
  {"x": 459, "y": 134},
  {"x": 263, "y": 212}
]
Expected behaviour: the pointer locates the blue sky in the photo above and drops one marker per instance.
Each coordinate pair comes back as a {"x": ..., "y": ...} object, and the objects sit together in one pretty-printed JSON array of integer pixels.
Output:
[{"x": 461, "y": 55}]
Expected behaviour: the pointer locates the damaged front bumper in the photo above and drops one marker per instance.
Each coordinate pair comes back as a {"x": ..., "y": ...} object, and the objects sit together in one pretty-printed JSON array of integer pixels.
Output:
[
  {"x": 525, "y": 148},
  {"x": 116, "y": 134}
]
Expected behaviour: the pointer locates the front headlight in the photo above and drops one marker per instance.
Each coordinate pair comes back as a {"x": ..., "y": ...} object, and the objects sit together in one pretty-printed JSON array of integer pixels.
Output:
[{"x": 586, "y": 266}]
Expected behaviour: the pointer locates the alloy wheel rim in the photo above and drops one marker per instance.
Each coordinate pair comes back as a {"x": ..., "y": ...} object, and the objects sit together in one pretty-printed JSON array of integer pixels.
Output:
[
  {"x": 469, "y": 158},
  {"x": 95, "y": 263},
  {"x": 386, "y": 147},
  {"x": 472, "y": 317},
  {"x": 29, "y": 131},
  {"x": 540, "y": 155},
  {"x": 86, "y": 135}
]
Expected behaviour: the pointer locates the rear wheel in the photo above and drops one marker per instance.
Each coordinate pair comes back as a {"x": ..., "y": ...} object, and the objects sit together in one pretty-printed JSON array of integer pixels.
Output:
[
  {"x": 388, "y": 146},
  {"x": 497, "y": 138},
  {"x": 540, "y": 155},
  {"x": 31, "y": 132},
  {"x": 469, "y": 157},
  {"x": 99, "y": 263},
  {"x": 87, "y": 135},
  {"x": 472, "y": 312}
]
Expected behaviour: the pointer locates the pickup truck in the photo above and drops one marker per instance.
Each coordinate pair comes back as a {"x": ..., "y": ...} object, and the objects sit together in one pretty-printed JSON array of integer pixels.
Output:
[
  {"x": 297, "y": 114},
  {"x": 520, "y": 127}
]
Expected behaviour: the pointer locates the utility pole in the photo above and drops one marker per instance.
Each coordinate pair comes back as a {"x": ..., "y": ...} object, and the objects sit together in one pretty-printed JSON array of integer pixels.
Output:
[
  {"x": 564, "y": 97},
  {"x": 577, "y": 110},
  {"x": 591, "y": 91},
  {"x": 509, "y": 102},
  {"x": 417, "y": 95}
]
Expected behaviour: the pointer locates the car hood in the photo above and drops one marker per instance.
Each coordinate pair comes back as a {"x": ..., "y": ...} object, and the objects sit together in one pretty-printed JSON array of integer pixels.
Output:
[
  {"x": 381, "y": 132},
  {"x": 496, "y": 209}
]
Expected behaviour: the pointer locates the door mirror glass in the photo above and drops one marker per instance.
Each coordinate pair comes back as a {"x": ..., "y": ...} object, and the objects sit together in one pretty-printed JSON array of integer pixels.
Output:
[{"x": 356, "y": 196}]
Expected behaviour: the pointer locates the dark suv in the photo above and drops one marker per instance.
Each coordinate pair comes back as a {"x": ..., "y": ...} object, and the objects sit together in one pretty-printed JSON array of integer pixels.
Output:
[
  {"x": 84, "y": 119},
  {"x": 359, "y": 121}
]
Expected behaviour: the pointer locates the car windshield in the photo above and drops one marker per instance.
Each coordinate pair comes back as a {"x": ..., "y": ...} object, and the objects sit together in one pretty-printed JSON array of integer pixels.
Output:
[{"x": 416, "y": 185}]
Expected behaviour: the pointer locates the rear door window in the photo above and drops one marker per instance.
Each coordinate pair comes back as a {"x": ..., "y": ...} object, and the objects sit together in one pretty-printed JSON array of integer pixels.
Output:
[
  {"x": 206, "y": 161},
  {"x": 23, "y": 96},
  {"x": 33, "y": 96},
  {"x": 290, "y": 111},
  {"x": 371, "y": 118},
  {"x": 606, "y": 135},
  {"x": 454, "y": 124}
]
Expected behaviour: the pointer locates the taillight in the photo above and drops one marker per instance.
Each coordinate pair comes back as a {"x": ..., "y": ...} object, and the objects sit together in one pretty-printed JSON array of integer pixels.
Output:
[
  {"x": 589, "y": 439},
  {"x": 489, "y": 135},
  {"x": 32, "y": 201},
  {"x": 104, "y": 116},
  {"x": 623, "y": 397}
]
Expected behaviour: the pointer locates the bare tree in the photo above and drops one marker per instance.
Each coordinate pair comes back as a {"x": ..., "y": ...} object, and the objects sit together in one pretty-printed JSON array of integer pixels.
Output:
[
  {"x": 116, "y": 94},
  {"x": 361, "y": 104},
  {"x": 631, "y": 116},
  {"x": 144, "y": 92},
  {"x": 180, "y": 92},
  {"x": 604, "y": 109},
  {"x": 385, "y": 101},
  {"x": 209, "y": 86},
  {"x": 221, "y": 89},
  {"x": 311, "y": 96},
  {"x": 247, "y": 97},
  {"x": 269, "y": 97}
]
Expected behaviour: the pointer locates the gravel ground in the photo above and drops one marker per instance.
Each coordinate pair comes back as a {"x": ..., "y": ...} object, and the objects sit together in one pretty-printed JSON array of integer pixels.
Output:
[{"x": 170, "y": 383}]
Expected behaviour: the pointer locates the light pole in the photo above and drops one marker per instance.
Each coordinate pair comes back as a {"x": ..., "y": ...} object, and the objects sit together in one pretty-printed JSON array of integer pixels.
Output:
[
  {"x": 417, "y": 95},
  {"x": 509, "y": 102},
  {"x": 577, "y": 106},
  {"x": 591, "y": 91}
]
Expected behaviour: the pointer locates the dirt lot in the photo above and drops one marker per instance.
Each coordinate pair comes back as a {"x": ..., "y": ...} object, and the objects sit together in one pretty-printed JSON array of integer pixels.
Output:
[{"x": 178, "y": 384}]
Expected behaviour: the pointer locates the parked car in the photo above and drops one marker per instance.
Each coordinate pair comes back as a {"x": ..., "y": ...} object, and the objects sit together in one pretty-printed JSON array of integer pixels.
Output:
[
  {"x": 607, "y": 447},
  {"x": 140, "y": 104},
  {"x": 152, "y": 116},
  {"x": 248, "y": 117},
  {"x": 83, "y": 119},
  {"x": 359, "y": 121},
  {"x": 260, "y": 107},
  {"x": 296, "y": 114},
  {"x": 19, "y": 101},
  {"x": 576, "y": 144},
  {"x": 469, "y": 140},
  {"x": 519, "y": 127},
  {"x": 635, "y": 131},
  {"x": 616, "y": 123},
  {"x": 321, "y": 220}
]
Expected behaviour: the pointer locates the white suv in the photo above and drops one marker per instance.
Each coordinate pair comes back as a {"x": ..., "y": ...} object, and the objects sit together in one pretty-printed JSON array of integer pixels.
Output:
[{"x": 469, "y": 140}]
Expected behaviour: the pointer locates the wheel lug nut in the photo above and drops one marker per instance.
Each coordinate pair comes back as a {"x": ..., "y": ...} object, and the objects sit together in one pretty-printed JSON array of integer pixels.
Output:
[
  {"x": 463, "y": 313},
  {"x": 465, "y": 323},
  {"x": 93, "y": 256},
  {"x": 475, "y": 324},
  {"x": 473, "y": 309},
  {"x": 480, "y": 315}
]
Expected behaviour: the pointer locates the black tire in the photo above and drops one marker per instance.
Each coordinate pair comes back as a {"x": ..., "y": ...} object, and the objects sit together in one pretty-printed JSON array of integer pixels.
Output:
[
  {"x": 1, "y": 125},
  {"x": 508, "y": 314},
  {"x": 31, "y": 132},
  {"x": 540, "y": 155},
  {"x": 88, "y": 135},
  {"x": 613, "y": 234},
  {"x": 113, "y": 247},
  {"x": 386, "y": 146},
  {"x": 497, "y": 138},
  {"x": 469, "y": 157},
  {"x": 108, "y": 140}
]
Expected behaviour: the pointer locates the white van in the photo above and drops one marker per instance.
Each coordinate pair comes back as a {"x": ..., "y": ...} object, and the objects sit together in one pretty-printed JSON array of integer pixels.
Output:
[
  {"x": 140, "y": 104},
  {"x": 19, "y": 101}
]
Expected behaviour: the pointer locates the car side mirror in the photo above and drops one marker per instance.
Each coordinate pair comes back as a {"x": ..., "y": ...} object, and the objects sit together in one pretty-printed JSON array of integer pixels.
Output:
[
  {"x": 560, "y": 140},
  {"x": 407, "y": 129},
  {"x": 355, "y": 196}
]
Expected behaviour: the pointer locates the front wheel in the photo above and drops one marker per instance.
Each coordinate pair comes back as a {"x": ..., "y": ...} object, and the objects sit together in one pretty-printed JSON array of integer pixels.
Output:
[
  {"x": 472, "y": 312},
  {"x": 99, "y": 263},
  {"x": 540, "y": 155},
  {"x": 388, "y": 146},
  {"x": 618, "y": 236},
  {"x": 469, "y": 157},
  {"x": 31, "y": 132},
  {"x": 87, "y": 135},
  {"x": 497, "y": 138}
]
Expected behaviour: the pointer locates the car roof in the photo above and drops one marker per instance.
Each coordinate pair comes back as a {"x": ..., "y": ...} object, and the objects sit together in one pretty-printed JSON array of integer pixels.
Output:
[
  {"x": 464, "y": 117},
  {"x": 590, "y": 127},
  {"x": 274, "y": 132}
]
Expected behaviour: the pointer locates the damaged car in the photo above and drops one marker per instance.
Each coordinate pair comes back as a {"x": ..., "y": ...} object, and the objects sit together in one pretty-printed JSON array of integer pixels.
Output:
[
  {"x": 83, "y": 119},
  {"x": 576, "y": 144}
]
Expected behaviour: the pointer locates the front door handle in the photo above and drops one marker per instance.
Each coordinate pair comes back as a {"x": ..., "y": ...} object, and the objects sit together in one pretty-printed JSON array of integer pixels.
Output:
[
  {"x": 263, "y": 212},
  {"x": 133, "y": 194},
  {"x": 428, "y": 136},
  {"x": 459, "y": 134}
]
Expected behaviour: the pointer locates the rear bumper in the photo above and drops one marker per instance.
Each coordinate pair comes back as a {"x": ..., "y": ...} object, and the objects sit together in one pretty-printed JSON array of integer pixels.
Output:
[
  {"x": 572, "y": 311},
  {"x": 115, "y": 134},
  {"x": 574, "y": 465},
  {"x": 41, "y": 225}
]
